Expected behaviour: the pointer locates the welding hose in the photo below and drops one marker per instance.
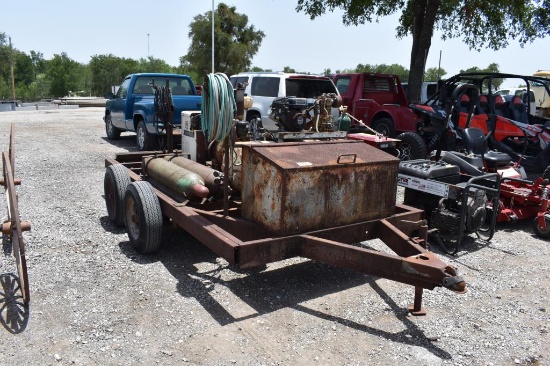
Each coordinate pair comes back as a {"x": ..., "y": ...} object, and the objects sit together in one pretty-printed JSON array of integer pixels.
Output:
[{"x": 218, "y": 107}]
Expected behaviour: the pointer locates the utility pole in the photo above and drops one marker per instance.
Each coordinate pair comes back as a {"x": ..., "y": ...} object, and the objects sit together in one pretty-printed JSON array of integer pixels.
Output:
[
  {"x": 147, "y": 45},
  {"x": 212, "y": 36},
  {"x": 12, "y": 73}
]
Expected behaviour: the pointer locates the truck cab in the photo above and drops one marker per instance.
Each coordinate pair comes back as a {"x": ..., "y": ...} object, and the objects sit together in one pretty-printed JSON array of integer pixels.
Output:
[{"x": 377, "y": 100}]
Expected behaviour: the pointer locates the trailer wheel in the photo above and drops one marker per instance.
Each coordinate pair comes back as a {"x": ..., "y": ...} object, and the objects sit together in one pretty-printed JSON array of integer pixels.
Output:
[
  {"x": 543, "y": 233},
  {"x": 114, "y": 185},
  {"x": 143, "y": 217},
  {"x": 412, "y": 146}
]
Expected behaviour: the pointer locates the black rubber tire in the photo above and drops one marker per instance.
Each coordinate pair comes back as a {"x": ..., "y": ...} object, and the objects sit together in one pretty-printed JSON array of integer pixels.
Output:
[
  {"x": 112, "y": 132},
  {"x": 545, "y": 234},
  {"x": 448, "y": 246},
  {"x": 145, "y": 141},
  {"x": 384, "y": 126},
  {"x": 412, "y": 146},
  {"x": 143, "y": 217},
  {"x": 114, "y": 186},
  {"x": 251, "y": 115},
  {"x": 546, "y": 174}
]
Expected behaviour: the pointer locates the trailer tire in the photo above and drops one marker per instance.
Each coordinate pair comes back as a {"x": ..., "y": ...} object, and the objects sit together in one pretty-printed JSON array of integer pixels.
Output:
[
  {"x": 412, "y": 146},
  {"x": 541, "y": 233},
  {"x": 114, "y": 186},
  {"x": 143, "y": 217}
]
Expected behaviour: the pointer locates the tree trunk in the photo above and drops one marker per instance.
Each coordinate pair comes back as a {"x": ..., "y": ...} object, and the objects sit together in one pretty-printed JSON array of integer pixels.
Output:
[{"x": 422, "y": 32}]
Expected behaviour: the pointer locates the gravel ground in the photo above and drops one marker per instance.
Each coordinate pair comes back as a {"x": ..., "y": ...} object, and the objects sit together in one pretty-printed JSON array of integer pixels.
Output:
[{"x": 95, "y": 301}]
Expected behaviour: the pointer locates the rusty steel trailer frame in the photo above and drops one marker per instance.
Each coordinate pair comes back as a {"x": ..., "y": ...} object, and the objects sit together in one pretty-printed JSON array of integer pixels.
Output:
[
  {"x": 244, "y": 243},
  {"x": 13, "y": 226}
]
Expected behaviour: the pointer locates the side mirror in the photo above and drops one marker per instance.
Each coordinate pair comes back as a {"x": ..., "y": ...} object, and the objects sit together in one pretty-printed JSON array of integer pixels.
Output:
[{"x": 109, "y": 95}]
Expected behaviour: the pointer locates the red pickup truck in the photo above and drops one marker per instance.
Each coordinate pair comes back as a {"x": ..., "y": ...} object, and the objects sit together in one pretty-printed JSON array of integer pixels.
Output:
[{"x": 379, "y": 101}]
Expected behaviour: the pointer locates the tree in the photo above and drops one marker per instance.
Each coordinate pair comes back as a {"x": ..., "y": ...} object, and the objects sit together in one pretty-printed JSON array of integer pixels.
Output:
[
  {"x": 489, "y": 69},
  {"x": 64, "y": 75},
  {"x": 109, "y": 70},
  {"x": 434, "y": 74},
  {"x": 151, "y": 64},
  {"x": 481, "y": 23},
  {"x": 235, "y": 42}
]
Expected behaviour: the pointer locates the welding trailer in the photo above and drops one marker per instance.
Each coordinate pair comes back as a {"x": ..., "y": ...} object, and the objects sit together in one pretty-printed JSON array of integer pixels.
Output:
[{"x": 322, "y": 200}]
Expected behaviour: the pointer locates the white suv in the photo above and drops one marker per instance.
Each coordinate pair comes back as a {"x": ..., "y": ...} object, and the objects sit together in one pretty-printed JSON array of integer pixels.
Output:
[{"x": 263, "y": 87}]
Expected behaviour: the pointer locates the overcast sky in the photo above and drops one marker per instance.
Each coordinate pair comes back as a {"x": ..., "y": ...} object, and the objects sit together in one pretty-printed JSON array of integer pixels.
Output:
[{"x": 139, "y": 28}]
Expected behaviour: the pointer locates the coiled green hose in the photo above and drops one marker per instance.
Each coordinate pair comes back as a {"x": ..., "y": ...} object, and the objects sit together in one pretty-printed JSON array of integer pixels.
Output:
[{"x": 218, "y": 107}]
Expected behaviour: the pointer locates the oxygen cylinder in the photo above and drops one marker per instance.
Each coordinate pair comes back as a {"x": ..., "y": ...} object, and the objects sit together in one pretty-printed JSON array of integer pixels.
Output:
[
  {"x": 344, "y": 122},
  {"x": 178, "y": 179},
  {"x": 212, "y": 178}
]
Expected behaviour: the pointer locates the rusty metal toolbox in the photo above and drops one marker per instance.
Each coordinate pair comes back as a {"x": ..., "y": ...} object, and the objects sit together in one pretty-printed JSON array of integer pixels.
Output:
[{"x": 295, "y": 187}]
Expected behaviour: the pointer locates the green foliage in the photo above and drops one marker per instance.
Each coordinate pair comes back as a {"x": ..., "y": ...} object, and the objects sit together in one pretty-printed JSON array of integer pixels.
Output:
[
  {"x": 289, "y": 69},
  {"x": 434, "y": 74},
  {"x": 109, "y": 70},
  {"x": 235, "y": 43},
  {"x": 151, "y": 64},
  {"x": 394, "y": 69},
  {"x": 24, "y": 69},
  {"x": 481, "y": 23},
  {"x": 489, "y": 69},
  {"x": 64, "y": 75},
  {"x": 259, "y": 69}
]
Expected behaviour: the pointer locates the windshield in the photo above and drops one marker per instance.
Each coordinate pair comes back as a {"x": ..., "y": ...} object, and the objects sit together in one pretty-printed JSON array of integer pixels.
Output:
[
  {"x": 178, "y": 86},
  {"x": 308, "y": 88}
]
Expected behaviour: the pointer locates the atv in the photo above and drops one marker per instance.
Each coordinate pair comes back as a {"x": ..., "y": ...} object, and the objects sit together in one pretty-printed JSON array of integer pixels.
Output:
[{"x": 510, "y": 121}]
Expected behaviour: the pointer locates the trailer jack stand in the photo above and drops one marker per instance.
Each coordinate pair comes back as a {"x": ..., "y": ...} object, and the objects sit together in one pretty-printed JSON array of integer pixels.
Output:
[{"x": 416, "y": 309}]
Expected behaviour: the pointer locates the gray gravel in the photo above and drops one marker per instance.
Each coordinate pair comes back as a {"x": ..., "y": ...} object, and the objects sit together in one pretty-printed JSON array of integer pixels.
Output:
[{"x": 95, "y": 301}]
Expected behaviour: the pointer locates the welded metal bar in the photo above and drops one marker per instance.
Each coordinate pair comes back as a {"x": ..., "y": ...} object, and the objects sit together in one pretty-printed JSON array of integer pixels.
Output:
[{"x": 424, "y": 270}]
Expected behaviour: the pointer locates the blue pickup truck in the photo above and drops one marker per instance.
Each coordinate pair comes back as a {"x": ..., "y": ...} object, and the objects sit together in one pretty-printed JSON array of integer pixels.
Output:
[{"x": 132, "y": 108}]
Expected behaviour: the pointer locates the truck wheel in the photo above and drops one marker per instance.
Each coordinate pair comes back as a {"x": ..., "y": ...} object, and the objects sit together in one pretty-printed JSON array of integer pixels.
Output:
[
  {"x": 412, "y": 146},
  {"x": 384, "y": 126},
  {"x": 114, "y": 185},
  {"x": 112, "y": 132},
  {"x": 143, "y": 217},
  {"x": 145, "y": 141}
]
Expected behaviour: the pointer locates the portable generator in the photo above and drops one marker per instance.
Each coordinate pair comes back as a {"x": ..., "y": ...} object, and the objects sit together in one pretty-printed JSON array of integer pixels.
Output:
[{"x": 455, "y": 204}]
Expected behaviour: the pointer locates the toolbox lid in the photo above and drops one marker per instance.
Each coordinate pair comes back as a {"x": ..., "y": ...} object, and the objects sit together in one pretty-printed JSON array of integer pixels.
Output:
[{"x": 322, "y": 154}]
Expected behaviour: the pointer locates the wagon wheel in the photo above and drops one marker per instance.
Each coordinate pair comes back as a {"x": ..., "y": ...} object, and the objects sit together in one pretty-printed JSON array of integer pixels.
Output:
[
  {"x": 114, "y": 184},
  {"x": 143, "y": 217},
  {"x": 13, "y": 225}
]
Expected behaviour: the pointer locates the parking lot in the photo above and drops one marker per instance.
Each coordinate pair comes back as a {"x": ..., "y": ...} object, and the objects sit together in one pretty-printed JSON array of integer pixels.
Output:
[{"x": 95, "y": 301}]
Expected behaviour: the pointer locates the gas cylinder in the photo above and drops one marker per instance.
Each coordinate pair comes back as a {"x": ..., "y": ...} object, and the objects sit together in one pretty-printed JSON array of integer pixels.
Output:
[{"x": 180, "y": 180}]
